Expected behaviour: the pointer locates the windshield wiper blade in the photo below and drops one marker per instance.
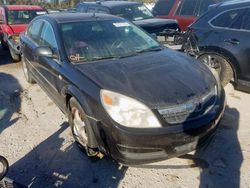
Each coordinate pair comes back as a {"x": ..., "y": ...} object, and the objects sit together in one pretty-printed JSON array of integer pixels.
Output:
[
  {"x": 154, "y": 48},
  {"x": 102, "y": 58}
]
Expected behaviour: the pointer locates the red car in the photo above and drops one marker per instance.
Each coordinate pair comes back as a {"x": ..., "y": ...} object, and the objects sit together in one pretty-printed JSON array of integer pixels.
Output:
[
  {"x": 14, "y": 20},
  {"x": 185, "y": 11}
]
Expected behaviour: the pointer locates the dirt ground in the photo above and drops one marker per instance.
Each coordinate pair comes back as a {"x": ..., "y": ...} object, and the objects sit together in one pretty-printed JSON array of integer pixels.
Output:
[{"x": 36, "y": 139}]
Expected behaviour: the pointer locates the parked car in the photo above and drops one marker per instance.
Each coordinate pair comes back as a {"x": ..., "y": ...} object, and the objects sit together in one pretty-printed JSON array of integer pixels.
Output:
[
  {"x": 184, "y": 11},
  {"x": 13, "y": 21},
  {"x": 221, "y": 39},
  {"x": 126, "y": 96},
  {"x": 164, "y": 29}
]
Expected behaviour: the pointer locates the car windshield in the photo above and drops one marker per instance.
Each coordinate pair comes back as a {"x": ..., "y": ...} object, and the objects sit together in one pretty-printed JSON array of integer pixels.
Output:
[
  {"x": 97, "y": 40},
  {"x": 23, "y": 16},
  {"x": 133, "y": 12}
]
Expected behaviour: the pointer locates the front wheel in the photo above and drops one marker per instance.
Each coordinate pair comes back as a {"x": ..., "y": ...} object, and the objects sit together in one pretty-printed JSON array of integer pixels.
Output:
[
  {"x": 220, "y": 64},
  {"x": 79, "y": 125}
]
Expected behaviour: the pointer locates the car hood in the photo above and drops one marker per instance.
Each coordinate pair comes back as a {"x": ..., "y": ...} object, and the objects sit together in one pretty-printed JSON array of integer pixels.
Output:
[
  {"x": 156, "y": 25},
  {"x": 155, "y": 78},
  {"x": 16, "y": 29}
]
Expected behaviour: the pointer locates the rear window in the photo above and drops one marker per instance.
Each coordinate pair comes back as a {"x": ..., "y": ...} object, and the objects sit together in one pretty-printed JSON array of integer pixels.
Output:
[
  {"x": 163, "y": 7},
  {"x": 23, "y": 16}
]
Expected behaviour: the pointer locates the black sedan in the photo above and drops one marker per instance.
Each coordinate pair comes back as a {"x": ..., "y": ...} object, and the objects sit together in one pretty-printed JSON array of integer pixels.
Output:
[
  {"x": 126, "y": 96},
  {"x": 220, "y": 38}
]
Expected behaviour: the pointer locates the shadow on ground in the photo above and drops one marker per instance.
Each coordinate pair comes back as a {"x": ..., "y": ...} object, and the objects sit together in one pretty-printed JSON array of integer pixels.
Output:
[
  {"x": 223, "y": 155},
  {"x": 9, "y": 100},
  {"x": 4, "y": 56},
  {"x": 49, "y": 166}
]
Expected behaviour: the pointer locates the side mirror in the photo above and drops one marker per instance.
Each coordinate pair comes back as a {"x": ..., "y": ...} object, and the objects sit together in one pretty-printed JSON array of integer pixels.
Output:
[
  {"x": 4, "y": 166},
  {"x": 45, "y": 52}
]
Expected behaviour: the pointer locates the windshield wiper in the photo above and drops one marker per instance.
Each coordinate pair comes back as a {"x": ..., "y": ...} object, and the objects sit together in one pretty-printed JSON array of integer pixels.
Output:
[{"x": 151, "y": 49}]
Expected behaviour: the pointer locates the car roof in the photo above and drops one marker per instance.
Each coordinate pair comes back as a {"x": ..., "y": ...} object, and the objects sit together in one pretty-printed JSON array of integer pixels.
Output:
[
  {"x": 233, "y": 3},
  {"x": 78, "y": 17},
  {"x": 22, "y": 7},
  {"x": 112, "y": 4}
]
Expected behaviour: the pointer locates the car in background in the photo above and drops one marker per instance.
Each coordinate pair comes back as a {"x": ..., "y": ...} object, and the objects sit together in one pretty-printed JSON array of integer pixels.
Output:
[
  {"x": 166, "y": 30},
  {"x": 125, "y": 94},
  {"x": 14, "y": 20},
  {"x": 184, "y": 11},
  {"x": 220, "y": 38}
]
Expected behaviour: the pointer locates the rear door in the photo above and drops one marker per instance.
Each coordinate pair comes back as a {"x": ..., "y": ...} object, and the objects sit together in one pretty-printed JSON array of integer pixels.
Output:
[
  {"x": 237, "y": 39},
  {"x": 29, "y": 43}
]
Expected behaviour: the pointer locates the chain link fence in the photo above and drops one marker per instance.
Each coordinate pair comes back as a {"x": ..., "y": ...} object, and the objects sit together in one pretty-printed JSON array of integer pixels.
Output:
[{"x": 53, "y": 4}]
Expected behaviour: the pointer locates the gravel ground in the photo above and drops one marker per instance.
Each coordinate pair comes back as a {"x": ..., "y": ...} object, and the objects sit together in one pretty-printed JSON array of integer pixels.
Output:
[{"x": 36, "y": 139}]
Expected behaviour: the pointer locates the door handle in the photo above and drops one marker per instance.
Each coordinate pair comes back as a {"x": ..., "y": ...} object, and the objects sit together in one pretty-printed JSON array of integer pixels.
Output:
[{"x": 232, "y": 41}]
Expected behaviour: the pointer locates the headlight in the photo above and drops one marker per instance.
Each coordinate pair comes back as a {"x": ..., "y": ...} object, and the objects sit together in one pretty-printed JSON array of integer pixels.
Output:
[
  {"x": 127, "y": 111},
  {"x": 191, "y": 109}
]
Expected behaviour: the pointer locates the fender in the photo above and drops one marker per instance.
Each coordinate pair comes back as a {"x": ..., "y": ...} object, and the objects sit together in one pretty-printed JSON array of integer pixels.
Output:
[{"x": 72, "y": 91}]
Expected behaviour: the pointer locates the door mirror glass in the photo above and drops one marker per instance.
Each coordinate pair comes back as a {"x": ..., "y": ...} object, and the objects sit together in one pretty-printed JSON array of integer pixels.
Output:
[{"x": 45, "y": 52}]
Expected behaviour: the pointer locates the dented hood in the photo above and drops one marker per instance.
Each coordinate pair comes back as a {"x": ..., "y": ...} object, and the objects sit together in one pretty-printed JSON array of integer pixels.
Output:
[
  {"x": 155, "y": 78},
  {"x": 156, "y": 25}
]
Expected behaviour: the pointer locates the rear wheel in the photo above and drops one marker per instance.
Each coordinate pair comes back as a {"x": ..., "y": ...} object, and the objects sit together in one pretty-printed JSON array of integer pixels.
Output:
[
  {"x": 26, "y": 72},
  {"x": 220, "y": 64},
  {"x": 79, "y": 125}
]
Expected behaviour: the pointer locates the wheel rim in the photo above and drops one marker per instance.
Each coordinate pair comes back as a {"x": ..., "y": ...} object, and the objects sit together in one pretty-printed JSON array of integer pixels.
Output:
[
  {"x": 212, "y": 61},
  {"x": 79, "y": 126},
  {"x": 25, "y": 69}
]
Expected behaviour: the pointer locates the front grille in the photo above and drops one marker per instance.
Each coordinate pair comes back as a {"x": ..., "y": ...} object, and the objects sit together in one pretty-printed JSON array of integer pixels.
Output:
[{"x": 189, "y": 111}]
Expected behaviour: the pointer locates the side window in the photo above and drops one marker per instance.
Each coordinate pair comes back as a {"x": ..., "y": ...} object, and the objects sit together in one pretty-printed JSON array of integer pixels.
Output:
[
  {"x": 187, "y": 8},
  {"x": 81, "y": 8},
  {"x": 103, "y": 10},
  {"x": 48, "y": 38},
  {"x": 229, "y": 19},
  {"x": 163, "y": 7},
  {"x": 33, "y": 32},
  {"x": 246, "y": 20},
  {"x": 91, "y": 9}
]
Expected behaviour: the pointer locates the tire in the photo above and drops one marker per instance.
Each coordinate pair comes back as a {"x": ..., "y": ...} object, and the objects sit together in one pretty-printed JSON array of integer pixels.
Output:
[
  {"x": 220, "y": 64},
  {"x": 4, "y": 168},
  {"x": 26, "y": 72},
  {"x": 80, "y": 128},
  {"x": 15, "y": 57}
]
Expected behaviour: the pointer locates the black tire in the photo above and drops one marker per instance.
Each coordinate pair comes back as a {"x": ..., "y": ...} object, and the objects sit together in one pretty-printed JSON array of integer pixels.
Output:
[
  {"x": 220, "y": 64},
  {"x": 5, "y": 167},
  {"x": 82, "y": 134},
  {"x": 26, "y": 72},
  {"x": 15, "y": 57}
]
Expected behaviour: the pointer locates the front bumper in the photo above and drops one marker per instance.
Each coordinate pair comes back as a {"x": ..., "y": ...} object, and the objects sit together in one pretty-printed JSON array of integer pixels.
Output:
[{"x": 140, "y": 146}]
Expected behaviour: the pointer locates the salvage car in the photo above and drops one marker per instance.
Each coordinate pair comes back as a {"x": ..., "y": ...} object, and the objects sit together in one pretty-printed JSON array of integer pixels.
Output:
[
  {"x": 220, "y": 39},
  {"x": 14, "y": 20},
  {"x": 126, "y": 95},
  {"x": 167, "y": 31},
  {"x": 184, "y": 11}
]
